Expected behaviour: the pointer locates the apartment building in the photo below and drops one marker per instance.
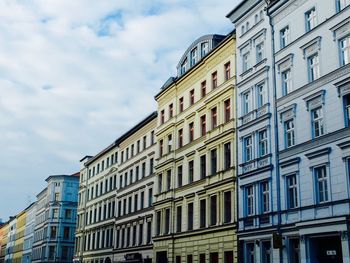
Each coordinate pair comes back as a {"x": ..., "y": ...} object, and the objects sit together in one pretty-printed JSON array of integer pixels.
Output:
[
  {"x": 4, "y": 229},
  {"x": 19, "y": 237},
  {"x": 195, "y": 192},
  {"x": 258, "y": 180},
  {"x": 56, "y": 219},
  {"x": 312, "y": 55},
  {"x": 11, "y": 237},
  {"x": 96, "y": 206},
  {"x": 29, "y": 233},
  {"x": 134, "y": 217}
]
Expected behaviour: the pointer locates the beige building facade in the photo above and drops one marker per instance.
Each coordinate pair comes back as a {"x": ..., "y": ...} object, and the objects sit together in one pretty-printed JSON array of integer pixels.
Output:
[{"x": 195, "y": 198}]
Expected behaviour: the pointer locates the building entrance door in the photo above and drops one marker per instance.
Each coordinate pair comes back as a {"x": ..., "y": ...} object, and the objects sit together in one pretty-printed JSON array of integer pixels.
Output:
[
  {"x": 162, "y": 257},
  {"x": 326, "y": 250}
]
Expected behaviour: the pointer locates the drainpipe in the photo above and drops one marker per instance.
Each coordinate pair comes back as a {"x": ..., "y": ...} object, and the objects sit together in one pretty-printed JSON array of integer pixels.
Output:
[{"x": 275, "y": 125}]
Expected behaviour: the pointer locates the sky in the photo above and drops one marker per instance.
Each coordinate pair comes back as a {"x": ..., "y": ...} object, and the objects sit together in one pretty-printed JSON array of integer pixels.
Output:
[{"x": 75, "y": 75}]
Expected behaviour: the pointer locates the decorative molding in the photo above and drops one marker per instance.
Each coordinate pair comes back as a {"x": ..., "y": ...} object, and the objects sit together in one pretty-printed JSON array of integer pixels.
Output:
[
  {"x": 318, "y": 153},
  {"x": 285, "y": 63},
  {"x": 315, "y": 100},
  {"x": 344, "y": 145},
  {"x": 341, "y": 29},
  {"x": 311, "y": 47},
  {"x": 288, "y": 113},
  {"x": 289, "y": 162}
]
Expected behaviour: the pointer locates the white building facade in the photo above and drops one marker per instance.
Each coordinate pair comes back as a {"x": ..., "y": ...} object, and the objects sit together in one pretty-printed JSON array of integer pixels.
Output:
[{"x": 29, "y": 233}]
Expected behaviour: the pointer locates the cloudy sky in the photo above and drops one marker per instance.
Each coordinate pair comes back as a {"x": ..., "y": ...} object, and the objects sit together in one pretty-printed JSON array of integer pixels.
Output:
[{"x": 74, "y": 75}]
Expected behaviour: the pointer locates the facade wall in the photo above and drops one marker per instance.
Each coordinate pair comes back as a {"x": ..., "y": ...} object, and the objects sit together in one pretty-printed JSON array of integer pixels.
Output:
[
  {"x": 19, "y": 239},
  {"x": 196, "y": 160},
  {"x": 3, "y": 241},
  {"x": 11, "y": 237},
  {"x": 29, "y": 233}
]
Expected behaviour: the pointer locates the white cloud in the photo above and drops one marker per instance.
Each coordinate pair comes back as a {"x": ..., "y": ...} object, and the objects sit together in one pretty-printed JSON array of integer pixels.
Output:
[{"x": 74, "y": 75}]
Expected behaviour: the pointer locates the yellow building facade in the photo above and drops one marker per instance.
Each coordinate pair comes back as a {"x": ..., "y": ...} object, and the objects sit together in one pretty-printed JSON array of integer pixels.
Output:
[
  {"x": 195, "y": 198},
  {"x": 4, "y": 229},
  {"x": 20, "y": 228}
]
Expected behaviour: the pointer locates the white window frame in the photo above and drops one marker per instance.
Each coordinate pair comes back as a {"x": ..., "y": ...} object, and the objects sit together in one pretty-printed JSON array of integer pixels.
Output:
[
  {"x": 289, "y": 132},
  {"x": 321, "y": 181},
  {"x": 319, "y": 121},
  {"x": 292, "y": 191},
  {"x": 344, "y": 47},
  {"x": 263, "y": 143},
  {"x": 310, "y": 19},
  {"x": 284, "y": 37},
  {"x": 314, "y": 67}
]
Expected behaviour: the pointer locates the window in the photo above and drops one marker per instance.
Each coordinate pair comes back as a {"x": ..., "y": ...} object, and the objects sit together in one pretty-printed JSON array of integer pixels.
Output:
[
  {"x": 248, "y": 148},
  {"x": 138, "y": 146},
  {"x": 136, "y": 201},
  {"x": 203, "y": 125},
  {"x": 246, "y": 103},
  {"x": 180, "y": 138},
  {"x": 167, "y": 221},
  {"x": 227, "y": 72},
  {"x": 214, "y": 80},
  {"x": 161, "y": 120},
  {"x": 57, "y": 197},
  {"x": 144, "y": 142},
  {"x": 191, "y": 131},
  {"x": 151, "y": 165},
  {"x": 66, "y": 232},
  {"x": 179, "y": 176},
  {"x": 190, "y": 216},
  {"x": 54, "y": 213},
  {"x": 203, "y": 213},
  {"x": 346, "y": 100},
  {"x": 203, "y": 166},
  {"x": 150, "y": 197},
  {"x": 65, "y": 250},
  {"x": 149, "y": 232},
  {"x": 158, "y": 218},
  {"x": 213, "y": 158},
  {"x": 249, "y": 201},
  {"x": 190, "y": 171},
  {"x": 266, "y": 252},
  {"x": 345, "y": 50},
  {"x": 183, "y": 67},
  {"x": 129, "y": 204},
  {"x": 286, "y": 82},
  {"x": 171, "y": 110},
  {"x": 227, "y": 155},
  {"x": 160, "y": 183},
  {"x": 317, "y": 122},
  {"x": 202, "y": 258},
  {"x": 168, "y": 180},
  {"x": 181, "y": 104},
  {"x": 227, "y": 104},
  {"x": 142, "y": 200},
  {"x": 245, "y": 61},
  {"x": 289, "y": 136},
  {"x": 292, "y": 191},
  {"x": 189, "y": 259},
  {"x": 213, "y": 210},
  {"x": 140, "y": 234},
  {"x": 285, "y": 37},
  {"x": 134, "y": 236},
  {"x": 259, "y": 52},
  {"x": 310, "y": 19},
  {"x": 52, "y": 252},
  {"x": 127, "y": 150},
  {"x": 203, "y": 88},
  {"x": 265, "y": 197},
  {"x": 53, "y": 232},
  {"x": 341, "y": 4},
  {"x": 178, "y": 218},
  {"x": 191, "y": 97},
  {"x": 321, "y": 184},
  {"x": 137, "y": 172},
  {"x": 160, "y": 148},
  {"x": 152, "y": 137},
  {"x": 214, "y": 257},
  {"x": 194, "y": 55},
  {"x": 313, "y": 67},
  {"x": 68, "y": 213},
  {"x": 227, "y": 207},
  {"x": 261, "y": 95},
  {"x": 170, "y": 142},
  {"x": 205, "y": 48},
  {"x": 143, "y": 174},
  {"x": 262, "y": 142},
  {"x": 214, "y": 118}
]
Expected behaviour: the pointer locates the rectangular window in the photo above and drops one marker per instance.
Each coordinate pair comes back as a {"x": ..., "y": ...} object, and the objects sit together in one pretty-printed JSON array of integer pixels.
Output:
[
  {"x": 129, "y": 204},
  {"x": 66, "y": 232},
  {"x": 227, "y": 71},
  {"x": 168, "y": 180},
  {"x": 53, "y": 232},
  {"x": 167, "y": 221},
  {"x": 179, "y": 176},
  {"x": 137, "y": 172},
  {"x": 346, "y": 100},
  {"x": 259, "y": 52},
  {"x": 194, "y": 55},
  {"x": 203, "y": 88},
  {"x": 266, "y": 252},
  {"x": 203, "y": 166},
  {"x": 178, "y": 218},
  {"x": 190, "y": 216},
  {"x": 134, "y": 236},
  {"x": 191, "y": 132},
  {"x": 158, "y": 218},
  {"x": 292, "y": 191},
  {"x": 170, "y": 143},
  {"x": 189, "y": 259},
  {"x": 289, "y": 136},
  {"x": 313, "y": 67},
  {"x": 143, "y": 174},
  {"x": 202, "y": 258},
  {"x": 249, "y": 201},
  {"x": 248, "y": 148},
  {"x": 227, "y": 207},
  {"x": 160, "y": 183},
  {"x": 345, "y": 50},
  {"x": 246, "y": 103},
  {"x": 152, "y": 137},
  {"x": 227, "y": 104},
  {"x": 321, "y": 184},
  {"x": 227, "y": 155},
  {"x": 191, "y": 97},
  {"x": 214, "y": 118},
  {"x": 149, "y": 232},
  {"x": 203, "y": 125},
  {"x": 144, "y": 142},
  {"x": 204, "y": 48},
  {"x": 317, "y": 122},
  {"x": 213, "y": 158},
  {"x": 171, "y": 110},
  {"x": 310, "y": 19},
  {"x": 150, "y": 197},
  {"x": 286, "y": 82},
  {"x": 214, "y": 257},
  {"x": 181, "y": 104},
  {"x": 341, "y": 4},
  {"x": 262, "y": 143},
  {"x": 190, "y": 171},
  {"x": 245, "y": 62},
  {"x": 138, "y": 146},
  {"x": 214, "y": 80},
  {"x": 260, "y": 89},
  {"x": 265, "y": 197},
  {"x": 180, "y": 138},
  {"x": 213, "y": 210},
  {"x": 160, "y": 148},
  {"x": 285, "y": 37},
  {"x": 203, "y": 213},
  {"x": 136, "y": 201},
  {"x": 142, "y": 200}
]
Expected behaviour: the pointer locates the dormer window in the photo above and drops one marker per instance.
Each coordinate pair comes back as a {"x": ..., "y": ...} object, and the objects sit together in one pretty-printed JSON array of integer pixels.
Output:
[
  {"x": 194, "y": 55},
  {"x": 184, "y": 66},
  {"x": 205, "y": 48}
]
